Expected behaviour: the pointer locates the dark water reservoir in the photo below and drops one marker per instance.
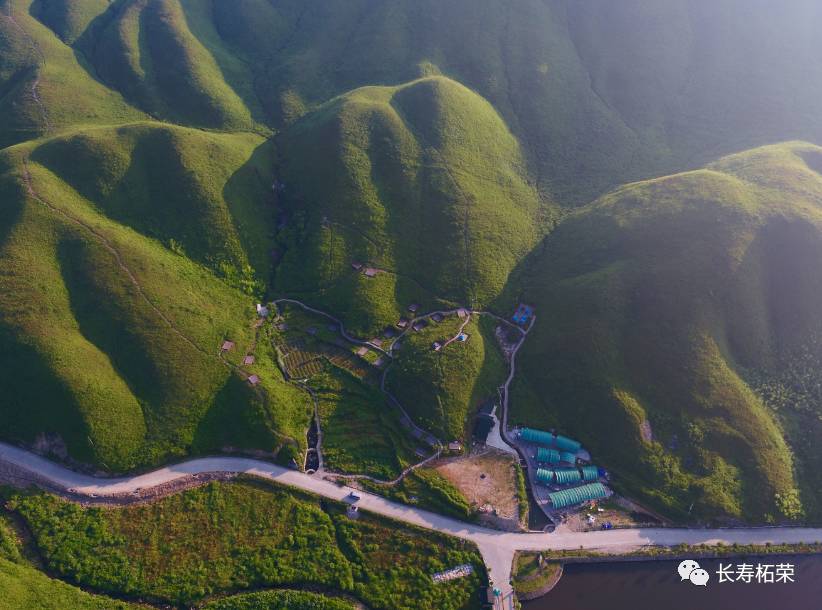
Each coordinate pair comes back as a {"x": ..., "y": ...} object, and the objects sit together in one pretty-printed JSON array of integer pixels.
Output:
[{"x": 656, "y": 585}]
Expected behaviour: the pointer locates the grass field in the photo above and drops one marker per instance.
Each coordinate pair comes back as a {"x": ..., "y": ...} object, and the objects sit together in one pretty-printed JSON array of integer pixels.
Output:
[
  {"x": 24, "y": 586},
  {"x": 229, "y": 536},
  {"x": 427, "y": 488}
]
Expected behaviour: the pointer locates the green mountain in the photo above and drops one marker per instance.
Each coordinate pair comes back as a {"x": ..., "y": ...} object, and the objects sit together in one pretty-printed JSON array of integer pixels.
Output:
[
  {"x": 597, "y": 93},
  {"x": 166, "y": 163},
  {"x": 123, "y": 270},
  {"x": 420, "y": 182},
  {"x": 672, "y": 308}
]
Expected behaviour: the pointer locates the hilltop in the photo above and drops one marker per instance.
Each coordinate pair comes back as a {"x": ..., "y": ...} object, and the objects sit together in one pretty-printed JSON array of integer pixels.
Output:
[
  {"x": 598, "y": 94},
  {"x": 418, "y": 182}
]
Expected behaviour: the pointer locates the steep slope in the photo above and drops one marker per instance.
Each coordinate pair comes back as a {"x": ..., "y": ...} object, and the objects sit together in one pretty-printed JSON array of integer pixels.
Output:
[
  {"x": 146, "y": 50},
  {"x": 44, "y": 84},
  {"x": 598, "y": 93},
  {"x": 68, "y": 19},
  {"x": 664, "y": 307},
  {"x": 421, "y": 182},
  {"x": 113, "y": 336}
]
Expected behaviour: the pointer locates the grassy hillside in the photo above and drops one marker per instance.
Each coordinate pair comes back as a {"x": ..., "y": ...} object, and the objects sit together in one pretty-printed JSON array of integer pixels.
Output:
[
  {"x": 44, "y": 84},
  {"x": 147, "y": 51},
  {"x": 68, "y": 19},
  {"x": 597, "y": 93},
  {"x": 670, "y": 302},
  {"x": 434, "y": 142},
  {"x": 361, "y": 434},
  {"x": 229, "y": 536},
  {"x": 26, "y": 587},
  {"x": 94, "y": 270},
  {"x": 441, "y": 390},
  {"x": 421, "y": 182}
]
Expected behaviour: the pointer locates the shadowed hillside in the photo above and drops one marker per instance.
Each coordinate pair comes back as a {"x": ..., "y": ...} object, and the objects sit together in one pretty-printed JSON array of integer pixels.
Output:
[{"x": 667, "y": 305}]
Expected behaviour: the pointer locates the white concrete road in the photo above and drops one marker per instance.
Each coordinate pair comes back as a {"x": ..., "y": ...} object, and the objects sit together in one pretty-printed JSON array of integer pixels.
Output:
[{"x": 497, "y": 547}]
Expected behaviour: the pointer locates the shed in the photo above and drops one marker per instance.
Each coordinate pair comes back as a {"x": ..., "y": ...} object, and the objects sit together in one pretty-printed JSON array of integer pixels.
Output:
[
  {"x": 577, "y": 495},
  {"x": 567, "y": 456},
  {"x": 455, "y": 446},
  {"x": 253, "y": 380},
  {"x": 402, "y": 323},
  {"x": 547, "y": 456},
  {"x": 227, "y": 346},
  {"x": 566, "y": 444},
  {"x": 248, "y": 360},
  {"x": 566, "y": 476},
  {"x": 362, "y": 351},
  {"x": 539, "y": 437},
  {"x": 413, "y": 307},
  {"x": 590, "y": 473},
  {"x": 370, "y": 272}
]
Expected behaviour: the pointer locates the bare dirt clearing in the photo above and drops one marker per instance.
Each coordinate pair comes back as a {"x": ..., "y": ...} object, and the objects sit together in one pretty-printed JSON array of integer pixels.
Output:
[{"x": 487, "y": 480}]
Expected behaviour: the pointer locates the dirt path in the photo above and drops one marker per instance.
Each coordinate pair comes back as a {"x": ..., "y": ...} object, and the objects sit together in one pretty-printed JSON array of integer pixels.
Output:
[
  {"x": 41, "y": 60},
  {"x": 108, "y": 245}
]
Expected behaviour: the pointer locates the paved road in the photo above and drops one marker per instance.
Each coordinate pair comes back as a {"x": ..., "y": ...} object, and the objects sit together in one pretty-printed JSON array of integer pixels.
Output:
[{"x": 497, "y": 547}]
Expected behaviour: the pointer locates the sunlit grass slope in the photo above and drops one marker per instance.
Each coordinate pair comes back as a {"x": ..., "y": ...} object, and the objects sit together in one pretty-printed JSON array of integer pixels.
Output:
[
  {"x": 112, "y": 332},
  {"x": 26, "y": 587},
  {"x": 44, "y": 84},
  {"x": 146, "y": 50},
  {"x": 597, "y": 93},
  {"x": 660, "y": 303},
  {"x": 423, "y": 182}
]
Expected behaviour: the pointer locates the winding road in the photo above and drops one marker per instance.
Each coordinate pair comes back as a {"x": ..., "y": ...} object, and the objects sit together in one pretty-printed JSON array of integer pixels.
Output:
[{"x": 497, "y": 548}]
